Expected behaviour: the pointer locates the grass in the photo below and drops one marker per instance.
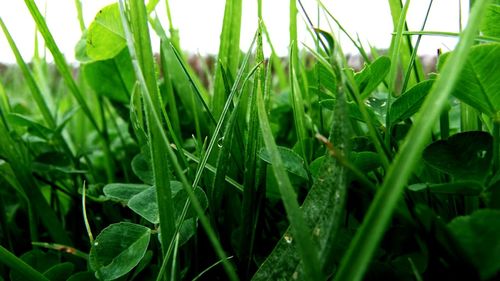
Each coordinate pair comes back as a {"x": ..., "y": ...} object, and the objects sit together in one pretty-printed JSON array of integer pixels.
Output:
[{"x": 131, "y": 167}]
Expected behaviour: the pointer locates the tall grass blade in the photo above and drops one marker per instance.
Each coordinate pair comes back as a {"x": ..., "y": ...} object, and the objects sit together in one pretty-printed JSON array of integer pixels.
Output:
[
  {"x": 229, "y": 52},
  {"x": 155, "y": 121},
  {"x": 300, "y": 231},
  {"x": 367, "y": 238},
  {"x": 157, "y": 148}
]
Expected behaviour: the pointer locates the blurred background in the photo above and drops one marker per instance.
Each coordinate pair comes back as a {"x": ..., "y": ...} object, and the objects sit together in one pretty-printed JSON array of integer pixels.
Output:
[{"x": 199, "y": 23}]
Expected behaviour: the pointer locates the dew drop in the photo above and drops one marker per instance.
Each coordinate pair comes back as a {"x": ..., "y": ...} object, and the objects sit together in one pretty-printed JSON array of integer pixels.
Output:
[
  {"x": 288, "y": 238},
  {"x": 295, "y": 275},
  {"x": 317, "y": 231},
  {"x": 96, "y": 243},
  {"x": 481, "y": 154},
  {"x": 220, "y": 141}
]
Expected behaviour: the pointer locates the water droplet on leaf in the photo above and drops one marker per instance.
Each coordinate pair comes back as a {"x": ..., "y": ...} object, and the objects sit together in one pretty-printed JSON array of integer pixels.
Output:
[
  {"x": 288, "y": 238},
  {"x": 220, "y": 142}
]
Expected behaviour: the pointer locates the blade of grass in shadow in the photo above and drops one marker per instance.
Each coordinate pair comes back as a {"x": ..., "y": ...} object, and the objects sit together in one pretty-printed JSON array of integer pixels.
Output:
[
  {"x": 229, "y": 52},
  {"x": 22, "y": 268},
  {"x": 203, "y": 162},
  {"x": 161, "y": 171},
  {"x": 65, "y": 72},
  {"x": 16, "y": 154},
  {"x": 300, "y": 231},
  {"x": 254, "y": 191},
  {"x": 367, "y": 238},
  {"x": 155, "y": 121}
]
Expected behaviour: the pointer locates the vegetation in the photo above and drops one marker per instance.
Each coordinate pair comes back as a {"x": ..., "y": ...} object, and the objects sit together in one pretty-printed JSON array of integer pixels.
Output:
[{"x": 133, "y": 167}]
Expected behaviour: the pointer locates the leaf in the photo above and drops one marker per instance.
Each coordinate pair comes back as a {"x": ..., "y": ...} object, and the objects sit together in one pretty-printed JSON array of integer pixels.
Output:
[
  {"x": 292, "y": 161},
  {"x": 479, "y": 82},
  {"x": 122, "y": 192},
  {"x": 372, "y": 75},
  {"x": 37, "y": 259},
  {"x": 105, "y": 37},
  {"x": 464, "y": 156},
  {"x": 82, "y": 276},
  {"x": 113, "y": 78},
  {"x": 490, "y": 26},
  {"x": 464, "y": 188},
  {"x": 145, "y": 203},
  {"x": 365, "y": 161},
  {"x": 478, "y": 235},
  {"x": 409, "y": 103},
  {"x": 59, "y": 272},
  {"x": 142, "y": 168},
  {"x": 118, "y": 249}
]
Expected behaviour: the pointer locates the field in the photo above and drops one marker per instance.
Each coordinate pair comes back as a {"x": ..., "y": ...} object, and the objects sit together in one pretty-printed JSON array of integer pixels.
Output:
[{"x": 142, "y": 164}]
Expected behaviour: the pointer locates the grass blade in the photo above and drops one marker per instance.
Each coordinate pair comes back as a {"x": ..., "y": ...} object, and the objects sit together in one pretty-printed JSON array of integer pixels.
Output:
[
  {"x": 300, "y": 230},
  {"x": 367, "y": 238},
  {"x": 229, "y": 52}
]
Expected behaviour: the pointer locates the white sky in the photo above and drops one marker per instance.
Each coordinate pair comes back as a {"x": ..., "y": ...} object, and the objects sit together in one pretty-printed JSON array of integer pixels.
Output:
[{"x": 199, "y": 23}]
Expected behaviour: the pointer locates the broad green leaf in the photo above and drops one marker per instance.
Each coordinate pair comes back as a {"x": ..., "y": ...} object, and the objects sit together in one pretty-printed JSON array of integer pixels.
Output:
[
  {"x": 122, "y": 192},
  {"x": 59, "y": 272},
  {"x": 490, "y": 26},
  {"x": 118, "y": 249},
  {"x": 409, "y": 103},
  {"x": 112, "y": 78},
  {"x": 464, "y": 155},
  {"x": 479, "y": 236},
  {"x": 372, "y": 75},
  {"x": 479, "y": 83},
  {"x": 292, "y": 161},
  {"x": 105, "y": 36}
]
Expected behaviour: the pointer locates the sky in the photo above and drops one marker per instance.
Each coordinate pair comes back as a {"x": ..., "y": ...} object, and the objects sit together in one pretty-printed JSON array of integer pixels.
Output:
[{"x": 199, "y": 23}]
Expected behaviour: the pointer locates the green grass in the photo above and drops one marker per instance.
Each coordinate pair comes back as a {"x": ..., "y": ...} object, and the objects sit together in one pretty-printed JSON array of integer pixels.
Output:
[{"x": 131, "y": 167}]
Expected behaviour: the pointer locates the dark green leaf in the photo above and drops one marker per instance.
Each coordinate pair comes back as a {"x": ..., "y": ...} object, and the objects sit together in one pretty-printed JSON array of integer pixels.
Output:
[
  {"x": 465, "y": 188},
  {"x": 479, "y": 236},
  {"x": 372, "y": 75},
  {"x": 82, "y": 276},
  {"x": 142, "y": 168},
  {"x": 464, "y": 155},
  {"x": 292, "y": 161},
  {"x": 37, "y": 259},
  {"x": 59, "y": 272},
  {"x": 122, "y": 192},
  {"x": 118, "y": 249}
]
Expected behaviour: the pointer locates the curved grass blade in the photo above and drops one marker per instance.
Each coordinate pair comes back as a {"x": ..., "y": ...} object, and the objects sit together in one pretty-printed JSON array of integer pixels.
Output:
[
  {"x": 300, "y": 230},
  {"x": 367, "y": 238},
  {"x": 323, "y": 209}
]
